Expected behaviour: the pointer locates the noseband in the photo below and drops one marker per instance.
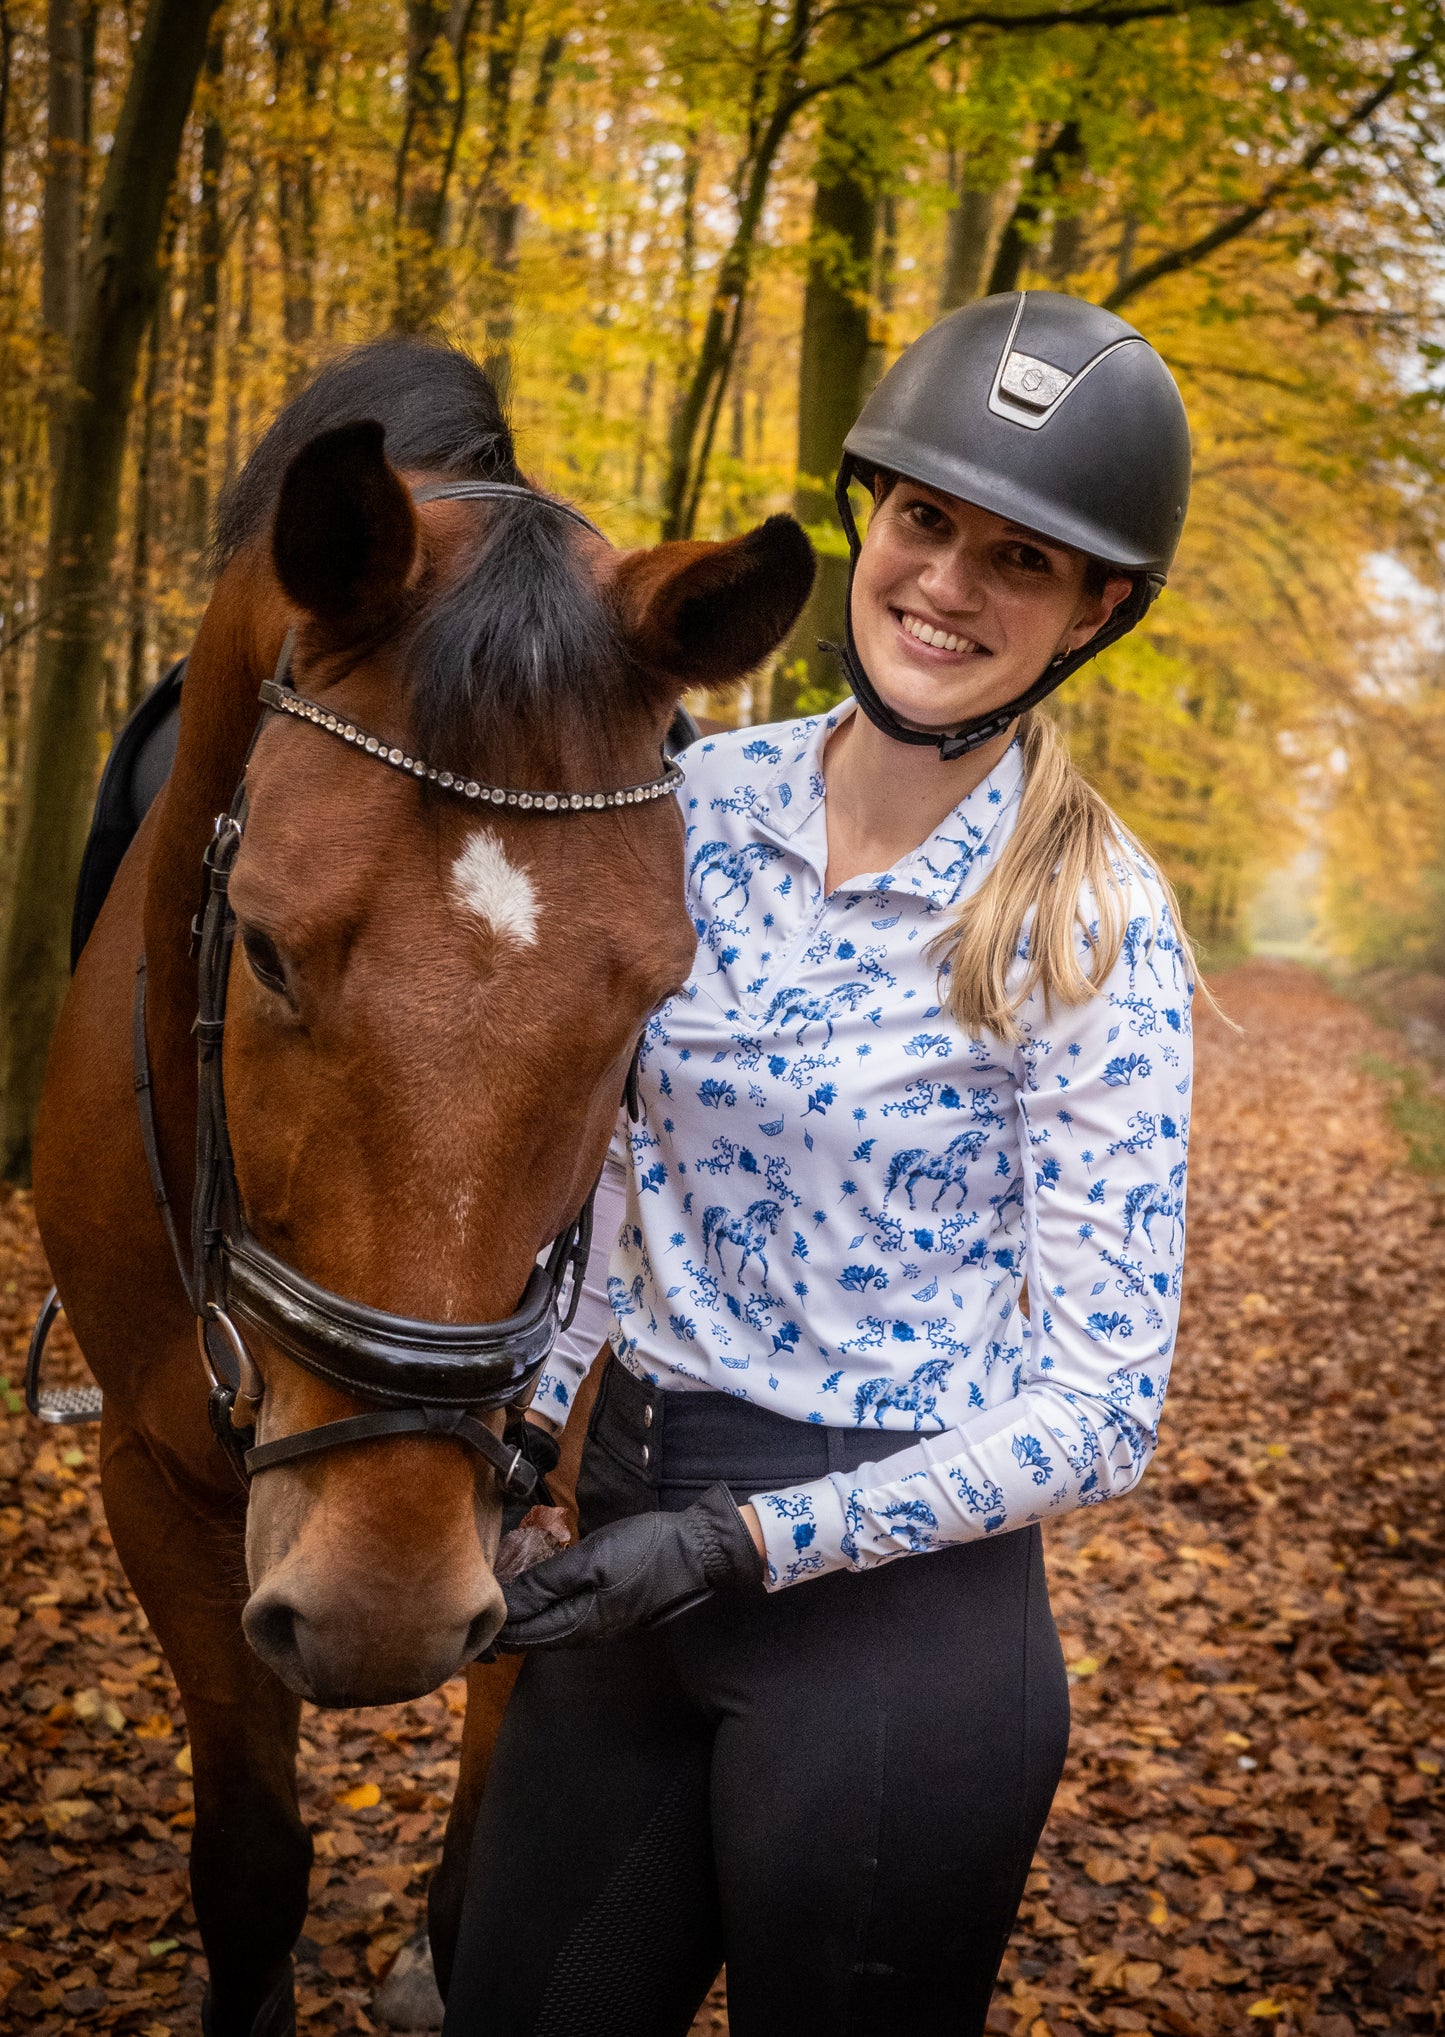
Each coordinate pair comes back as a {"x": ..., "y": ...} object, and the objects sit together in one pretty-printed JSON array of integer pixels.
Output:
[{"x": 423, "y": 1378}]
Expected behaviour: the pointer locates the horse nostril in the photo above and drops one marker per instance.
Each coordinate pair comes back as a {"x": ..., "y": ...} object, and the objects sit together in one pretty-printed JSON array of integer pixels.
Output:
[
  {"x": 270, "y": 1627},
  {"x": 483, "y": 1630}
]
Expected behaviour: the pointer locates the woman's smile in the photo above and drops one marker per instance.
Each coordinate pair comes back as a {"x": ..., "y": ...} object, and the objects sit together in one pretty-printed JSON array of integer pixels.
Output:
[{"x": 936, "y": 637}]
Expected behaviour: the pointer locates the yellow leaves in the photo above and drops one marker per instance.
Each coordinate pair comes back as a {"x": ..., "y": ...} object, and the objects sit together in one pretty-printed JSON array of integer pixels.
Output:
[
  {"x": 1427, "y": 1765},
  {"x": 155, "y": 1726},
  {"x": 382, "y": 1950},
  {"x": 1087, "y": 1665},
  {"x": 183, "y": 1760},
  {"x": 1238, "y": 1741},
  {"x": 93, "y": 1708},
  {"x": 1267, "y": 2008},
  {"x": 1114, "y": 1970},
  {"x": 61, "y": 1805},
  {"x": 362, "y": 1798}
]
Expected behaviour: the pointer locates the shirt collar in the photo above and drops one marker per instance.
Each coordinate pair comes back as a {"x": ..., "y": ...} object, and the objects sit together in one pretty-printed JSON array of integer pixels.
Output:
[{"x": 788, "y": 804}]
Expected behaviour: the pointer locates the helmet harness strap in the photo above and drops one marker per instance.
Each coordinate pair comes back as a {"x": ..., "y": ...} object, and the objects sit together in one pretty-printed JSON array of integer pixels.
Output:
[{"x": 981, "y": 728}]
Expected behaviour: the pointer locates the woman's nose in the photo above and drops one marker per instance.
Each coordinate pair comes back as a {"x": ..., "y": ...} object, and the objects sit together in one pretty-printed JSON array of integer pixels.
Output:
[{"x": 954, "y": 582}]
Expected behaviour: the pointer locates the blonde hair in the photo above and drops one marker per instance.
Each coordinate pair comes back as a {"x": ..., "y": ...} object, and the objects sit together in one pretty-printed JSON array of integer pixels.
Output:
[{"x": 1064, "y": 848}]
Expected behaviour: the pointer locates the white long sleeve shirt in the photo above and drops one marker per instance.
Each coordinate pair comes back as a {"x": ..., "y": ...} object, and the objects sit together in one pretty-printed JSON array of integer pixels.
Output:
[{"x": 836, "y": 1195}]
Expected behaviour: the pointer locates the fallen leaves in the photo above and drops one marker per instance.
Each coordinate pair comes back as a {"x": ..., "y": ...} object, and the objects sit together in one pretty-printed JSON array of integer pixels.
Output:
[
  {"x": 1272, "y": 1663},
  {"x": 1249, "y": 1829}
]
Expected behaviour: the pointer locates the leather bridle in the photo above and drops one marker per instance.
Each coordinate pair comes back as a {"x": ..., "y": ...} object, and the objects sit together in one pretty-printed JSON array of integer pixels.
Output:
[{"x": 425, "y": 1378}]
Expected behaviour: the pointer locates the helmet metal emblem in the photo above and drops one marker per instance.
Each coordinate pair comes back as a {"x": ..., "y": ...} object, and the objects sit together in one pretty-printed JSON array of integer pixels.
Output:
[{"x": 1032, "y": 381}]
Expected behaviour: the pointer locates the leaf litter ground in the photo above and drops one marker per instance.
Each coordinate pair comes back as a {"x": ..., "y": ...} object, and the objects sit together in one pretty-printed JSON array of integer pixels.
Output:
[{"x": 1249, "y": 1829}]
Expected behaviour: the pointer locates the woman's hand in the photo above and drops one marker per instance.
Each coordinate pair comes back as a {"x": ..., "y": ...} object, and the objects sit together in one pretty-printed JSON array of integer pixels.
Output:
[{"x": 636, "y": 1572}]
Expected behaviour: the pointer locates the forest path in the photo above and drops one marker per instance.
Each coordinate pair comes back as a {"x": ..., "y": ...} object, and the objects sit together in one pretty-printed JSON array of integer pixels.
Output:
[{"x": 1249, "y": 1830}]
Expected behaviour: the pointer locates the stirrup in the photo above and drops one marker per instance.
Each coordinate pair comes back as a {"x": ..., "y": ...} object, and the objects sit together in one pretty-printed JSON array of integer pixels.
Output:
[{"x": 56, "y": 1404}]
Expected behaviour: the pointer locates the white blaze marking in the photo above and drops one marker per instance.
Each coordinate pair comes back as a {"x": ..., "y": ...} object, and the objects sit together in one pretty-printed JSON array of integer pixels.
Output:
[{"x": 495, "y": 889}]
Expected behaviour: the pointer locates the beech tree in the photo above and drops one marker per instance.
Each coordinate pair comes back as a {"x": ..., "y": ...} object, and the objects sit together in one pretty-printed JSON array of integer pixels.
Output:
[{"x": 116, "y": 303}]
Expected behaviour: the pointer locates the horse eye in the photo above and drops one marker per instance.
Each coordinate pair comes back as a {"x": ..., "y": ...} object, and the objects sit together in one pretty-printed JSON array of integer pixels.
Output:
[{"x": 264, "y": 958}]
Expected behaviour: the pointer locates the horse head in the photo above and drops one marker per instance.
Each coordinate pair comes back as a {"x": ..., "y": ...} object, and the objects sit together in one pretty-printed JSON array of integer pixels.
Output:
[{"x": 433, "y": 1001}]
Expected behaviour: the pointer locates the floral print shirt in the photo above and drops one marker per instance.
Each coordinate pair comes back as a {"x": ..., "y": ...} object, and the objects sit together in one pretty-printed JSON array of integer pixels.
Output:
[{"x": 837, "y": 1196}]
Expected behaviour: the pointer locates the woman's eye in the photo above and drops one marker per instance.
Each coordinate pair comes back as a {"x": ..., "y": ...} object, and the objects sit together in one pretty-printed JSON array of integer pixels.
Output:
[
  {"x": 264, "y": 958},
  {"x": 1031, "y": 559}
]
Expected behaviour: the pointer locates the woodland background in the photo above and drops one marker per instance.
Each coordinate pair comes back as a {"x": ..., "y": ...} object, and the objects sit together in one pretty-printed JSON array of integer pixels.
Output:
[{"x": 687, "y": 239}]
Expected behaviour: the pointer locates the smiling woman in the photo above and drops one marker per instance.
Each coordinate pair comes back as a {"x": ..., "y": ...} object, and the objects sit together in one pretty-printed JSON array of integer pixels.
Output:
[
  {"x": 933, "y": 1054},
  {"x": 956, "y": 610}
]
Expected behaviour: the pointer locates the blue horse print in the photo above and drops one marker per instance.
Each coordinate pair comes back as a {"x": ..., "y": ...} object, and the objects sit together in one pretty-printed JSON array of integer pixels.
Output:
[
  {"x": 947, "y": 1168},
  {"x": 804, "y": 1009},
  {"x": 916, "y": 1396},
  {"x": 736, "y": 866},
  {"x": 1150, "y": 1199},
  {"x": 750, "y": 1233}
]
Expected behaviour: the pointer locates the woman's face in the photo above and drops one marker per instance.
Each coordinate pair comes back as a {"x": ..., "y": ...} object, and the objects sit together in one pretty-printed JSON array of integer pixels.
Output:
[{"x": 956, "y": 610}]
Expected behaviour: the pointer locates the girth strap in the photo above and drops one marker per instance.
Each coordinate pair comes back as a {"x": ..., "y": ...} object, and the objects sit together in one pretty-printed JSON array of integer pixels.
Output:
[{"x": 518, "y": 1477}]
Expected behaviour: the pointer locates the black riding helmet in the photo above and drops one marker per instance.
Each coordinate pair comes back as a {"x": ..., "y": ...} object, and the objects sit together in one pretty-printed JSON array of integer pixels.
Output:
[{"x": 1053, "y": 413}]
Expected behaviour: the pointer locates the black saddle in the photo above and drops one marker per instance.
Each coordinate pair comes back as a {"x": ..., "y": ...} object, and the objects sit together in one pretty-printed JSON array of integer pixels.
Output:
[{"x": 139, "y": 765}]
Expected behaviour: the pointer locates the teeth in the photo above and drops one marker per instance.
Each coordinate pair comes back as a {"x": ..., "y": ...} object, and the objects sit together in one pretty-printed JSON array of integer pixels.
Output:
[{"x": 942, "y": 639}]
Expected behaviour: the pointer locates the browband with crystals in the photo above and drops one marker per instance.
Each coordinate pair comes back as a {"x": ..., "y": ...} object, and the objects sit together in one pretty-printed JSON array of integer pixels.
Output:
[{"x": 278, "y": 693}]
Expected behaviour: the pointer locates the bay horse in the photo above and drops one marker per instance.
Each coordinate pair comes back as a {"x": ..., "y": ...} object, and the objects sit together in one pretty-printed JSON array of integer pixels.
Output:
[{"x": 430, "y": 1006}]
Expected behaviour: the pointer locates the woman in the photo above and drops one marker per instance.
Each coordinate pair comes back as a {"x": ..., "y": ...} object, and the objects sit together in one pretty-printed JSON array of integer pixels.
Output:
[{"x": 898, "y": 1276}]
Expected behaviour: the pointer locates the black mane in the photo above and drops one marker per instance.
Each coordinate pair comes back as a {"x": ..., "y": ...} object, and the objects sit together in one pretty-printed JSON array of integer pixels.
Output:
[{"x": 520, "y": 647}]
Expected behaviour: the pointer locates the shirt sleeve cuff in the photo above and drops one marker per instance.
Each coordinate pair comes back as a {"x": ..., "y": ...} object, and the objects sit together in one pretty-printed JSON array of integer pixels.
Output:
[
  {"x": 803, "y": 1532},
  {"x": 556, "y": 1390}
]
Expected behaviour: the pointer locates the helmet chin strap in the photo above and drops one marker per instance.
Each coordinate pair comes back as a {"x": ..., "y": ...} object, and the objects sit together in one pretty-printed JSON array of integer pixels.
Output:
[{"x": 981, "y": 728}]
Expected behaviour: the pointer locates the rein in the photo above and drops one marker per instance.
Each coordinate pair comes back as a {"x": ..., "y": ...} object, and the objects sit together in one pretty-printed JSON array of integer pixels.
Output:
[{"x": 426, "y": 1378}]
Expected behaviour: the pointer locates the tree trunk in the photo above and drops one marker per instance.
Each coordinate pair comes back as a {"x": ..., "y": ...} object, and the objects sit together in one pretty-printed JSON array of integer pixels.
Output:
[
  {"x": 205, "y": 292},
  {"x": 439, "y": 34},
  {"x": 238, "y": 354},
  {"x": 140, "y": 632},
  {"x": 1052, "y": 164},
  {"x": 502, "y": 219},
  {"x": 61, "y": 222},
  {"x": 691, "y": 437},
  {"x": 296, "y": 199},
  {"x": 117, "y": 299},
  {"x": 7, "y": 63},
  {"x": 832, "y": 369},
  {"x": 968, "y": 247}
]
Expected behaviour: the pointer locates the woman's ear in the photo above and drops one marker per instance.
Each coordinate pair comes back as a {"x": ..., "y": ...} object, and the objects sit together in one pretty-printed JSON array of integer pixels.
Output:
[
  {"x": 345, "y": 534},
  {"x": 1097, "y": 609},
  {"x": 696, "y": 614}
]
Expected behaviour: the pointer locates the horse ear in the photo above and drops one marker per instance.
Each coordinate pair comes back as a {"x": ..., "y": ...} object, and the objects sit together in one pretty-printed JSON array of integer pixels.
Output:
[
  {"x": 704, "y": 614},
  {"x": 344, "y": 535}
]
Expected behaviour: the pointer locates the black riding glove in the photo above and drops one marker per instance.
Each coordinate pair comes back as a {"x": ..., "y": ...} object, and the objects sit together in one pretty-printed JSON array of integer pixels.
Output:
[
  {"x": 633, "y": 1573},
  {"x": 539, "y": 1448}
]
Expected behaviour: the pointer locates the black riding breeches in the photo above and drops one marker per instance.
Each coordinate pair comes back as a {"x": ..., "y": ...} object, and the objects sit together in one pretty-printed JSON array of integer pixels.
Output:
[{"x": 836, "y": 1789}]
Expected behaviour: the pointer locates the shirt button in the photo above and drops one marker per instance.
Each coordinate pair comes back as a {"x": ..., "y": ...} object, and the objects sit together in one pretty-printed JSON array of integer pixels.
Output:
[
  {"x": 646, "y": 1454},
  {"x": 647, "y": 1417}
]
